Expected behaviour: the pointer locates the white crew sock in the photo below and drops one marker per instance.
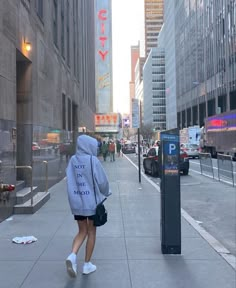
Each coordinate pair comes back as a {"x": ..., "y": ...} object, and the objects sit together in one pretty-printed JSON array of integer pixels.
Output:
[{"x": 72, "y": 257}]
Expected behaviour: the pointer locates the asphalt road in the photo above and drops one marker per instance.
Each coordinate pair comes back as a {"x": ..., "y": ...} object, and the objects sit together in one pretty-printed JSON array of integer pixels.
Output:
[{"x": 210, "y": 202}]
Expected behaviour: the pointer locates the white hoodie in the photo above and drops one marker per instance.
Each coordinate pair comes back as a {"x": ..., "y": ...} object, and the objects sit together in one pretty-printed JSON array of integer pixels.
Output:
[{"x": 79, "y": 178}]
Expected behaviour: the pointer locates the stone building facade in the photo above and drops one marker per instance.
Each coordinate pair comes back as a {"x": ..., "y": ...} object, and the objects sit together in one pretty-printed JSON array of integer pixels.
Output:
[{"x": 47, "y": 85}]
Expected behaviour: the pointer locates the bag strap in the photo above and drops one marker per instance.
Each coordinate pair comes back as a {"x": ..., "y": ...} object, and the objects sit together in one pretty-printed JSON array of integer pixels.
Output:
[{"x": 93, "y": 180}]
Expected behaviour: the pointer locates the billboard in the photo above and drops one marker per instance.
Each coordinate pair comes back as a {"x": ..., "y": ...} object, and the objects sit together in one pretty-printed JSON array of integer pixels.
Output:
[
  {"x": 126, "y": 121},
  {"x": 107, "y": 122},
  {"x": 103, "y": 57}
]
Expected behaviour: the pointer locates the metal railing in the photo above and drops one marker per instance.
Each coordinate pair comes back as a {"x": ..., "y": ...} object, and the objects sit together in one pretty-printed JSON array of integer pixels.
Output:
[
  {"x": 225, "y": 169},
  {"x": 30, "y": 168},
  {"x": 46, "y": 175},
  {"x": 31, "y": 179},
  {"x": 206, "y": 164}
]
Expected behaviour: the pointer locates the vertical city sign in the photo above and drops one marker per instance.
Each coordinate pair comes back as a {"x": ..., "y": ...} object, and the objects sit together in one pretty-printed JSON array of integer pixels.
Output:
[
  {"x": 104, "y": 98},
  {"x": 135, "y": 113}
]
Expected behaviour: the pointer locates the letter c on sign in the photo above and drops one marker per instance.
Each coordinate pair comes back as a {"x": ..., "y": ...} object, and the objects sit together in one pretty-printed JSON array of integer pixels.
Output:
[{"x": 101, "y": 15}]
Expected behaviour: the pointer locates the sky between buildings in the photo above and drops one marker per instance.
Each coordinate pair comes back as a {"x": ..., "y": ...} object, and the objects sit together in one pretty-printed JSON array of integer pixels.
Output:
[{"x": 127, "y": 30}]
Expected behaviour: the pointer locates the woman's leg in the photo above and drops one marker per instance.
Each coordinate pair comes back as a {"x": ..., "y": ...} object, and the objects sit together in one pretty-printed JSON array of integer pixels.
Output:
[
  {"x": 71, "y": 261},
  {"x": 90, "y": 240},
  {"x": 80, "y": 237}
]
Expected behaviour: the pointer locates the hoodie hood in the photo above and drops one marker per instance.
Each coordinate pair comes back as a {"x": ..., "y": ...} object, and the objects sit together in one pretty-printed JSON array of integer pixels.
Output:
[{"x": 86, "y": 145}]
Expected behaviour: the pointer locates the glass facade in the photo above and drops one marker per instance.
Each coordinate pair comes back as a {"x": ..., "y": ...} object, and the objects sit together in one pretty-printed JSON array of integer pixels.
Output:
[
  {"x": 154, "y": 102},
  {"x": 168, "y": 31},
  {"x": 205, "y": 42}
]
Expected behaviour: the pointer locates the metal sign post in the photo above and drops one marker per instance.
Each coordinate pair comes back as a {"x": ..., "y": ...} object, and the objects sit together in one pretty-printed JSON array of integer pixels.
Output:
[
  {"x": 139, "y": 162},
  {"x": 136, "y": 124}
]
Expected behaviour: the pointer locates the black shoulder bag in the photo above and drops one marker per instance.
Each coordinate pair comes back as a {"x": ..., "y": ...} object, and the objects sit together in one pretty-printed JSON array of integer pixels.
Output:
[{"x": 100, "y": 217}]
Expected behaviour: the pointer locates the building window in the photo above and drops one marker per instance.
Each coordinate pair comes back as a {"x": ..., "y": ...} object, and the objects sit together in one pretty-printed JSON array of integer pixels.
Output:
[
  {"x": 63, "y": 104},
  {"x": 62, "y": 29},
  {"x": 69, "y": 114},
  {"x": 39, "y": 8},
  {"x": 55, "y": 24},
  {"x": 68, "y": 32}
]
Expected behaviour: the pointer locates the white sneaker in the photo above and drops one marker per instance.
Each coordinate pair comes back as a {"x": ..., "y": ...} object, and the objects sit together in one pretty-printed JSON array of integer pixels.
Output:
[
  {"x": 89, "y": 268},
  {"x": 71, "y": 267}
]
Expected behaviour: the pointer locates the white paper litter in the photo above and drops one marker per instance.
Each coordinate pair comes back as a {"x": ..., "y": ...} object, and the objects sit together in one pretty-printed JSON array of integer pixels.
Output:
[
  {"x": 199, "y": 222},
  {"x": 9, "y": 219},
  {"x": 24, "y": 240}
]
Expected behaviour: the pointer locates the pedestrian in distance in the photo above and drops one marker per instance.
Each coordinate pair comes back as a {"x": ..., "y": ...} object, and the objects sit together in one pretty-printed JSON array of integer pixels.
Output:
[
  {"x": 83, "y": 169},
  {"x": 111, "y": 149},
  {"x": 104, "y": 150},
  {"x": 118, "y": 148}
]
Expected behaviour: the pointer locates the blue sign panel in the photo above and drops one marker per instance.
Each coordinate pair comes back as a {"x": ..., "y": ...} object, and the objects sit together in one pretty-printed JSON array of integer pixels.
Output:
[
  {"x": 170, "y": 148},
  {"x": 171, "y": 151}
]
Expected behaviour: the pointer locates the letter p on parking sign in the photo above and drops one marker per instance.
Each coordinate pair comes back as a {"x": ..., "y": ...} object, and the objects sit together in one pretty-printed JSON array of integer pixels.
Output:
[{"x": 172, "y": 149}]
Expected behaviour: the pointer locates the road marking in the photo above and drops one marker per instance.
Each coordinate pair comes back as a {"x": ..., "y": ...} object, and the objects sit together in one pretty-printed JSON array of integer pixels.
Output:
[
  {"x": 194, "y": 162},
  {"x": 214, "y": 167},
  {"x": 212, "y": 177},
  {"x": 215, "y": 244},
  {"x": 189, "y": 184}
]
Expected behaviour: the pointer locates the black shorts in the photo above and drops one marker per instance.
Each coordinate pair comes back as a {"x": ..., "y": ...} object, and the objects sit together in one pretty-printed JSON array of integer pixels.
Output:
[{"x": 82, "y": 218}]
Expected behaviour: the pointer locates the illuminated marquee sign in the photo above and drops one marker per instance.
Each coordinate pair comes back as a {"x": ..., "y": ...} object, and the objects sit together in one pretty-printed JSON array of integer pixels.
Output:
[
  {"x": 106, "y": 119},
  {"x": 107, "y": 122},
  {"x": 102, "y": 39}
]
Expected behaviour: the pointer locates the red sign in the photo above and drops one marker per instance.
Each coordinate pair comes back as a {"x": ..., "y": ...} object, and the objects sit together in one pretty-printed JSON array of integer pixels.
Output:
[
  {"x": 102, "y": 19},
  {"x": 106, "y": 119}
]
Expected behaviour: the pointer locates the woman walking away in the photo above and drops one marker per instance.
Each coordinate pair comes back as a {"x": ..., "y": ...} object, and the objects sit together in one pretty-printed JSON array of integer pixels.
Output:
[{"x": 81, "y": 168}]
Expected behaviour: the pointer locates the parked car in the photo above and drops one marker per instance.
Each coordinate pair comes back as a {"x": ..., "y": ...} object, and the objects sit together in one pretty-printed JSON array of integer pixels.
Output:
[
  {"x": 35, "y": 148},
  {"x": 128, "y": 148},
  {"x": 192, "y": 150},
  {"x": 183, "y": 162},
  {"x": 151, "y": 164},
  {"x": 150, "y": 161}
]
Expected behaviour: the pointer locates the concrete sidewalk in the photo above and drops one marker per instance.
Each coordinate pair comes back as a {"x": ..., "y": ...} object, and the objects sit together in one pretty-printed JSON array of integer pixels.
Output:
[{"x": 128, "y": 248}]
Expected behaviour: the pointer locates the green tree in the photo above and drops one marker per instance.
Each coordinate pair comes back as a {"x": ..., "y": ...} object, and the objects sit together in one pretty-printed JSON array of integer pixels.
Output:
[{"x": 146, "y": 131}]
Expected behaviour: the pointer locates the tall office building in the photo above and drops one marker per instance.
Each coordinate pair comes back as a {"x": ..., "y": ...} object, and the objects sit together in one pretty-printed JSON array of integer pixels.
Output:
[
  {"x": 170, "y": 64},
  {"x": 153, "y": 18},
  {"x": 205, "y": 59},
  {"x": 154, "y": 102},
  {"x": 135, "y": 53},
  {"x": 153, "y": 108}
]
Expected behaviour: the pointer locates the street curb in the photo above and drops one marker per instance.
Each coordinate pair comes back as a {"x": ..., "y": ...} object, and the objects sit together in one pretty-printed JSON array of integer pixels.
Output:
[{"x": 214, "y": 243}]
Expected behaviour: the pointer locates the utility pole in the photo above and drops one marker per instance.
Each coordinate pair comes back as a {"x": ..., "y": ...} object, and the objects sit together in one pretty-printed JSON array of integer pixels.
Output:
[{"x": 139, "y": 162}]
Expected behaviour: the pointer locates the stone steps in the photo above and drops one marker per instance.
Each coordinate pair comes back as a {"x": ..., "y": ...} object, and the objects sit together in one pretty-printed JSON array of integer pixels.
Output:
[{"x": 23, "y": 199}]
